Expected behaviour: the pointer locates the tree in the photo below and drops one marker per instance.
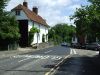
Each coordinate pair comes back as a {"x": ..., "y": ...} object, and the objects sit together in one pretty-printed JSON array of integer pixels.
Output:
[
  {"x": 81, "y": 21},
  {"x": 3, "y": 3},
  {"x": 9, "y": 31},
  {"x": 87, "y": 20},
  {"x": 61, "y": 33},
  {"x": 94, "y": 12}
]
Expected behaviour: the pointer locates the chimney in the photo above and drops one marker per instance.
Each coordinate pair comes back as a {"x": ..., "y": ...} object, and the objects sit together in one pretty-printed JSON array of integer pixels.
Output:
[
  {"x": 25, "y": 4},
  {"x": 35, "y": 10}
]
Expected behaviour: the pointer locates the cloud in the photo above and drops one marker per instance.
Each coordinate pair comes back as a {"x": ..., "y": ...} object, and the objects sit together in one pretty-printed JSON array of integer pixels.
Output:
[
  {"x": 60, "y": 19},
  {"x": 73, "y": 8},
  {"x": 12, "y": 4},
  {"x": 54, "y": 11},
  {"x": 53, "y": 3}
]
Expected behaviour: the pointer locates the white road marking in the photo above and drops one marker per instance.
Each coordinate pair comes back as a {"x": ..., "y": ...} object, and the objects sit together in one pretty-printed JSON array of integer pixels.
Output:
[
  {"x": 56, "y": 58},
  {"x": 52, "y": 57},
  {"x": 70, "y": 51},
  {"x": 23, "y": 60},
  {"x": 48, "y": 51},
  {"x": 97, "y": 52},
  {"x": 73, "y": 51}
]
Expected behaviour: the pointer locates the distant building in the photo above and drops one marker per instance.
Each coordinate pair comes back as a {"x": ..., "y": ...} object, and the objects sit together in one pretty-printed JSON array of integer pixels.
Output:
[
  {"x": 74, "y": 39},
  {"x": 27, "y": 19}
]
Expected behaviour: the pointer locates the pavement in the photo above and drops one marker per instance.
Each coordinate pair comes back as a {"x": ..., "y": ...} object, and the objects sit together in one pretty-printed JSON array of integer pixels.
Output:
[
  {"x": 4, "y": 54},
  {"x": 57, "y": 60}
]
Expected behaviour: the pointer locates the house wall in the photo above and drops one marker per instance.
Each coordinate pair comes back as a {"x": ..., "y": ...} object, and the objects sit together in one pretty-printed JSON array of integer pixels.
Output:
[
  {"x": 38, "y": 36},
  {"x": 23, "y": 27},
  {"x": 74, "y": 40},
  {"x": 43, "y": 29},
  {"x": 30, "y": 24},
  {"x": 22, "y": 15}
]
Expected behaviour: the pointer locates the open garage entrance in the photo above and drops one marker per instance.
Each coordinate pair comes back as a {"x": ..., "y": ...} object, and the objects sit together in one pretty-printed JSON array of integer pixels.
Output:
[{"x": 23, "y": 27}]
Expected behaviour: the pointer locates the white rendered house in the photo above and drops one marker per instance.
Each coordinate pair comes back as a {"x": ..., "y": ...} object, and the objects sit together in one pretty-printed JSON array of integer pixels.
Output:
[
  {"x": 28, "y": 19},
  {"x": 74, "y": 40}
]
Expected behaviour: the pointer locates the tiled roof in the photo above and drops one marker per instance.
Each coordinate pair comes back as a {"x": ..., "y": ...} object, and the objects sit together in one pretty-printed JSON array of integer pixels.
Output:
[{"x": 31, "y": 15}]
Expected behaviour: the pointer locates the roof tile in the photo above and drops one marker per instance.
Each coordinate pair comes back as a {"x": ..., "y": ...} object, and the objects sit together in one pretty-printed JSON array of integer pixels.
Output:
[{"x": 31, "y": 15}]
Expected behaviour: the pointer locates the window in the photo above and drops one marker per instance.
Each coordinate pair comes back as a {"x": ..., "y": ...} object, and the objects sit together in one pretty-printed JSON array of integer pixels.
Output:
[
  {"x": 74, "y": 38},
  {"x": 45, "y": 30},
  {"x": 18, "y": 12}
]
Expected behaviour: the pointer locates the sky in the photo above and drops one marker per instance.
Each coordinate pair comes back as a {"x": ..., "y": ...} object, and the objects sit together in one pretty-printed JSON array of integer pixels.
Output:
[{"x": 53, "y": 11}]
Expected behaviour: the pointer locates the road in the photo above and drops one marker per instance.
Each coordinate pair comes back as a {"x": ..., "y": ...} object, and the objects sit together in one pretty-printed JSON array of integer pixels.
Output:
[
  {"x": 40, "y": 62},
  {"x": 84, "y": 62},
  {"x": 57, "y": 60}
]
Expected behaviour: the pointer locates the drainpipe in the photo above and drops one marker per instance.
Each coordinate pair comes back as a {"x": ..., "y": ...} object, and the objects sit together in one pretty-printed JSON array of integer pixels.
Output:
[{"x": 37, "y": 39}]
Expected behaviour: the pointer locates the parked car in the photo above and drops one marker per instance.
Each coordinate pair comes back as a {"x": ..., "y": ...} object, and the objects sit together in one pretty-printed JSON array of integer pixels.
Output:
[
  {"x": 76, "y": 45},
  {"x": 83, "y": 46},
  {"x": 64, "y": 44},
  {"x": 94, "y": 46}
]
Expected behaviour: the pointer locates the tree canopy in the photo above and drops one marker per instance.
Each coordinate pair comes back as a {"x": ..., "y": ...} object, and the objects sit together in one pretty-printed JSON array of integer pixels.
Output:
[
  {"x": 61, "y": 33},
  {"x": 9, "y": 31},
  {"x": 87, "y": 20}
]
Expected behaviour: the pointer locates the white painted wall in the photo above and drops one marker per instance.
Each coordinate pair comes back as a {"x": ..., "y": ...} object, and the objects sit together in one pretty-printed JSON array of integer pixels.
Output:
[
  {"x": 74, "y": 40},
  {"x": 43, "y": 29},
  {"x": 22, "y": 15},
  {"x": 30, "y": 24},
  {"x": 38, "y": 36}
]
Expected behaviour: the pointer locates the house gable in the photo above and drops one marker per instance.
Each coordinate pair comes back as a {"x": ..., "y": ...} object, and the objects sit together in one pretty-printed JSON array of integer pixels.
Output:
[
  {"x": 33, "y": 19},
  {"x": 22, "y": 15},
  {"x": 31, "y": 15}
]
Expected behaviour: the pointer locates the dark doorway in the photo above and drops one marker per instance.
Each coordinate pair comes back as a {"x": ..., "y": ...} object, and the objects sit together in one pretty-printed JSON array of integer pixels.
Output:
[{"x": 23, "y": 27}]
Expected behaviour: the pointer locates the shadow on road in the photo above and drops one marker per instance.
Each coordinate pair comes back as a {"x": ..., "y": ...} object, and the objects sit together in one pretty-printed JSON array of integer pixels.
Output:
[{"x": 79, "y": 65}]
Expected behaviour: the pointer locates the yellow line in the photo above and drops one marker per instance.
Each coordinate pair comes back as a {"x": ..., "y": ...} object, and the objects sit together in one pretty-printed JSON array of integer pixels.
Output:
[{"x": 53, "y": 70}]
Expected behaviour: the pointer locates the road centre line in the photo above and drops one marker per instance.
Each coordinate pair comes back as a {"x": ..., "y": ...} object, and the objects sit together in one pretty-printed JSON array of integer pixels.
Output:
[
  {"x": 23, "y": 59},
  {"x": 53, "y": 70},
  {"x": 48, "y": 51}
]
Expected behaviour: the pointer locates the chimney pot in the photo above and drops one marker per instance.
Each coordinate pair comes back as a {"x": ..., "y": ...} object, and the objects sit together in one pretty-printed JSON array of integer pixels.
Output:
[
  {"x": 35, "y": 10},
  {"x": 25, "y": 4}
]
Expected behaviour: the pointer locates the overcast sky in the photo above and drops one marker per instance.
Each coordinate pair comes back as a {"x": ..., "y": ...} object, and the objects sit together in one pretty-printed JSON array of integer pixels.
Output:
[{"x": 54, "y": 11}]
